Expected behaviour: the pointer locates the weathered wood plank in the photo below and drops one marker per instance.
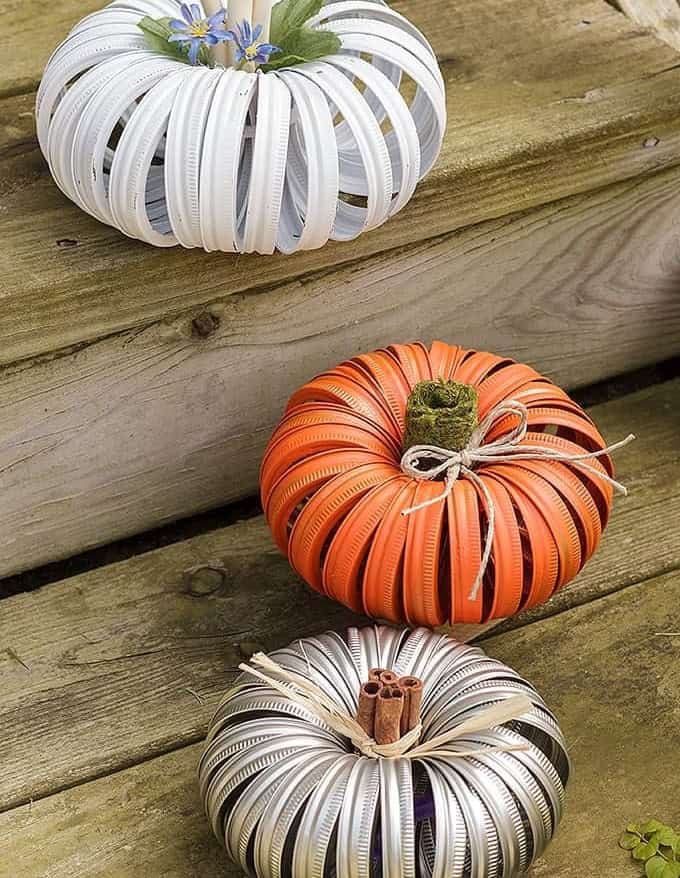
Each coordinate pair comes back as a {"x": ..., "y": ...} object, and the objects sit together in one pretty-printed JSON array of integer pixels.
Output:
[
  {"x": 662, "y": 17},
  {"x": 561, "y": 103},
  {"x": 613, "y": 685},
  {"x": 108, "y": 668},
  {"x": 148, "y": 426}
]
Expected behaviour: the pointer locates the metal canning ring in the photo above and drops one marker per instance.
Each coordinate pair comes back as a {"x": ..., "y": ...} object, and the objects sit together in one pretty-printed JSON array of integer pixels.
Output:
[{"x": 290, "y": 798}]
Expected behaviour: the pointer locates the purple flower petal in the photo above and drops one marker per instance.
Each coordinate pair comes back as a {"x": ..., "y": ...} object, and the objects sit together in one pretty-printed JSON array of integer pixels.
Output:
[
  {"x": 267, "y": 49},
  {"x": 194, "y": 50},
  {"x": 217, "y": 18},
  {"x": 178, "y": 24},
  {"x": 186, "y": 13},
  {"x": 196, "y": 11},
  {"x": 240, "y": 54},
  {"x": 178, "y": 38},
  {"x": 257, "y": 32},
  {"x": 247, "y": 33},
  {"x": 210, "y": 39},
  {"x": 221, "y": 35}
]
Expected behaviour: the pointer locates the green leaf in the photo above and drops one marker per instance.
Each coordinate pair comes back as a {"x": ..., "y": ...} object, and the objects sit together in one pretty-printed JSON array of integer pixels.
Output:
[
  {"x": 676, "y": 846},
  {"x": 290, "y": 15},
  {"x": 655, "y": 867},
  {"x": 632, "y": 827},
  {"x": 653, "y": 826},
  {"x": 671, "y": 870},
  {"x": 629, "y": 840},
  {"x": 645, "y": 850},
  {"x": 304, "y": 44},
  {"x": 666, "y": 836}
]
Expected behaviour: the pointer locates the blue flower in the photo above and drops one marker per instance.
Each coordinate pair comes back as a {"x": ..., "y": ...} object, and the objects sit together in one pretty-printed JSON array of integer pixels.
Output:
[
  {"x": 196, "y": 31},
  {"x": 247, "y": 46}
]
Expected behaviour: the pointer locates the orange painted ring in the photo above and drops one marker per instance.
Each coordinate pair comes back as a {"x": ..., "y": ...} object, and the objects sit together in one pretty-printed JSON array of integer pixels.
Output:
[
  {"x": 383, "y": 582},
  {"x": 465, "y": 552},
  {"x": 444, "y": 359},
  {"x": 475, "y": 368},
  {"x": 414, "y": 361},
  {"x": 555, "y": 514},
  {"x": 601, "y": 491},
  {"x": 422, "y": 601},
  {"x": 345, "y": 391},
  {"x": 507, "y": 561},
  {"x": 357, "y": 372},
  {"x": 303, "y": 443},
  {"x": 392, "y": 382},
  {"x": 302, "y": 481},
  {"x": 324, "y": 512},
  {"x": 542, "y": 566},
  {"x": 502, "y": 385},
  {"x": 577, "y": 497},
  {"x": 540, "y": 393},
  {"x": 350, "y": 545},
  {"x": 307, "y": 414},
  {"x": 552, "y": 416}
]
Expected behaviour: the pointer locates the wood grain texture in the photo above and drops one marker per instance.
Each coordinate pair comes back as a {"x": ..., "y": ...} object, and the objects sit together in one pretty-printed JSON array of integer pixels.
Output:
[
  {"x": 152, "y": 425},
  {"x": 113, "y": 666},
  {"x": 148, "y": 820},
  {"x": 662, "y": 17},
  {"x": 562, "y": 102}
]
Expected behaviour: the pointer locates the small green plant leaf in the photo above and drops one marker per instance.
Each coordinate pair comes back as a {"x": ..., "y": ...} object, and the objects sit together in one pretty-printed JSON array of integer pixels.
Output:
[
  {"x": 654, "y": 868},
  {"x": 629, "y": 840},
  {"x": 632, "y": 827},
  {"x": 303, "y": 44},
  {"x": 671, "y": 870},
  {"x": 653, "y": 826},
  {"x": 289, "y": 15},
  {"x": 666, "y": 837},
  {"x": 645, "y": 850}
]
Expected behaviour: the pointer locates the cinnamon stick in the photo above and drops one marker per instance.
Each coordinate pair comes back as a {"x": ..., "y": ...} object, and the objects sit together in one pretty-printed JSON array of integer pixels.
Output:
[
  {"x": 413, "y": 690},
  {"x": 368, "y": 695},
  {"x": 388, "y": 711},
  {"x": 376, "y": 673}
]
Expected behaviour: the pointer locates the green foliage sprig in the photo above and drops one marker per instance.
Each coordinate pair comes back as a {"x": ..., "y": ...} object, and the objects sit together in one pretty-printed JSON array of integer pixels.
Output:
[
  {"x": 298, "y": 43},
  {"x": 655, "y": 846}
]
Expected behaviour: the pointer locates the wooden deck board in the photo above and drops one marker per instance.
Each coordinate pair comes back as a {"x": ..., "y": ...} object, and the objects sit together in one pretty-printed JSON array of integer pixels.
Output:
[
  {"x": 579, "y": 90},
  {"x": 123, "y": 663},
  {"x": 152, "y": 425},
  {"x": 600, "y": 667}
]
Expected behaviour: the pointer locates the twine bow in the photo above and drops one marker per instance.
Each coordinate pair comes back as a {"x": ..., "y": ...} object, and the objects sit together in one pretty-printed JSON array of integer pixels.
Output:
[
  {"x": 507, "y": 448},
  {"x": 307, "y": 694}
]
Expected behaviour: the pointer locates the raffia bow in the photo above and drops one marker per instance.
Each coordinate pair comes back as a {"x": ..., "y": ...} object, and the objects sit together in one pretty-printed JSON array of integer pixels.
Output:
[
  {"x": 307, "y": 694},
  {"x": 429, "y": 462}
]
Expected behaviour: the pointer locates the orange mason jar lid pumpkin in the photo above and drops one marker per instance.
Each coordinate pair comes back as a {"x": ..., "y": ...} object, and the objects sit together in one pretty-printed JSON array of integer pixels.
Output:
[{"x": 434, "y": 485}]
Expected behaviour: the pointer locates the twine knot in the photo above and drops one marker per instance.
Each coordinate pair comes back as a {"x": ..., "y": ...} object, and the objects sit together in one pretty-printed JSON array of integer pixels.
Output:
[{"x": 430, "y": 462}]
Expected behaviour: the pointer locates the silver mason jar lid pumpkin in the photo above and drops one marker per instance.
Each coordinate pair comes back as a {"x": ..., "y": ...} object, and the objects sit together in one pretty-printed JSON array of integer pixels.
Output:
[{"x": 288, "y": 796}]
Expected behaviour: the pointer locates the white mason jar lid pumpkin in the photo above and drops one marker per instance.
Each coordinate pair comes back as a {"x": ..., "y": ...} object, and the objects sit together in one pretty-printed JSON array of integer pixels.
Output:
[{"x": 239, "y": 161}]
